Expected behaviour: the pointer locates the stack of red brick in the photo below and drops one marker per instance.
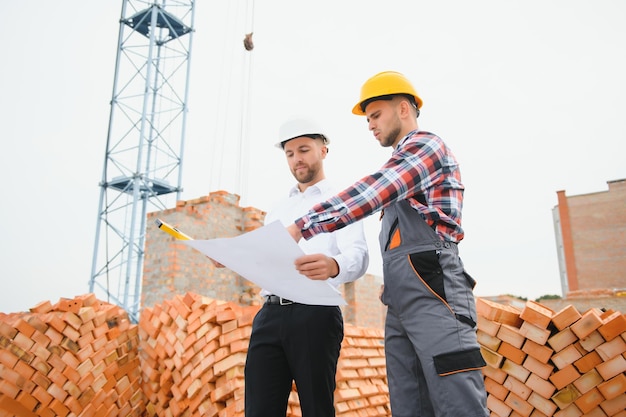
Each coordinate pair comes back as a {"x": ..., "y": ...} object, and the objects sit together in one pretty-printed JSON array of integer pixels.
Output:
[
  {"x": 546, "y": 363},
  {"x": 193, "y": 352},
  {"x": 76, "y": 357},
  {"x": 186, "y": 357}
]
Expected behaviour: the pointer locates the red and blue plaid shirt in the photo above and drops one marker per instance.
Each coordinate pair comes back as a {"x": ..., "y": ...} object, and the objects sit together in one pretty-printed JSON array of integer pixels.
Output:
[{"x": 422, "y": 170}]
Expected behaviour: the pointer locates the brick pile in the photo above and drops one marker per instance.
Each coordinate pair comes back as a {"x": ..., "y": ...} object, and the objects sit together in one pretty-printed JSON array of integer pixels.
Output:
[
  {"x": 546, "y": 363},
  {"x": 193, "y": 352},
  {"x": 186, "y": 357},
  {"x": 76, "y": 357}
]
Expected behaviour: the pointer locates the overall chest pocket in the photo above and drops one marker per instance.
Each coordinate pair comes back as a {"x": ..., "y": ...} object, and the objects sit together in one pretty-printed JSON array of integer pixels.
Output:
[{"x": 426, "y": 265}]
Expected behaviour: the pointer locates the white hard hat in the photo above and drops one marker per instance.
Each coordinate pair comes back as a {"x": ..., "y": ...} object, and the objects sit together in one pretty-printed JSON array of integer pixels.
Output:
[{"x": 295, "y": 128}]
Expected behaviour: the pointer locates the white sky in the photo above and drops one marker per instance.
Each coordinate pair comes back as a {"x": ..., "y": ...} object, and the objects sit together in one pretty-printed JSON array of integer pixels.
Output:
[{"x": 530, "y": 95}]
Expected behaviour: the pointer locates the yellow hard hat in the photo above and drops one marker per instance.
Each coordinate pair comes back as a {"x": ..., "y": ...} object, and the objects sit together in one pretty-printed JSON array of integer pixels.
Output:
[{"x": 383, "y": 84}]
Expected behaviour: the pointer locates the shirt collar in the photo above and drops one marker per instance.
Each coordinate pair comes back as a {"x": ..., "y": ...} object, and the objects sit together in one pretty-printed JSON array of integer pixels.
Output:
[{"x": 317, "y": 188}]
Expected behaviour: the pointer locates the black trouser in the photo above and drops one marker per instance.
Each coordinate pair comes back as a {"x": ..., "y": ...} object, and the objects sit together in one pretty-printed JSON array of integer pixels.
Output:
[{"x": 298, "y": 343}]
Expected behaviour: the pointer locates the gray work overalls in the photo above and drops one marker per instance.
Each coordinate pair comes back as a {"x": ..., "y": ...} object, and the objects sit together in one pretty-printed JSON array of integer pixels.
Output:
[{"x": 433, "y": 357}]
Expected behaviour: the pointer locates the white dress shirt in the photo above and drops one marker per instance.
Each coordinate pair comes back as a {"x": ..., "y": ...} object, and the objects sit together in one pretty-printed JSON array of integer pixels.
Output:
[{"x": 347, "y": 245}]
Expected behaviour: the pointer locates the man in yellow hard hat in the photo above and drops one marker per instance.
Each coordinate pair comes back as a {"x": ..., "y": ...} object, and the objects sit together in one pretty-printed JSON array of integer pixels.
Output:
[
  {"x": 292, "y": 341},
  {"x": 432, "y": 354}
]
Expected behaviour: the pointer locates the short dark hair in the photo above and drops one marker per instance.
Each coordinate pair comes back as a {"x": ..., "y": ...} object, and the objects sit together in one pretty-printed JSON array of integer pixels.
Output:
[{"x": 389, "y": 97}]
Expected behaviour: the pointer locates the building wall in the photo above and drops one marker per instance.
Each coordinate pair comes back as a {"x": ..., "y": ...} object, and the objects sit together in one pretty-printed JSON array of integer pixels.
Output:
[
  {"x": 595, "y": 238},
  {"x": 171, "y": 267}
]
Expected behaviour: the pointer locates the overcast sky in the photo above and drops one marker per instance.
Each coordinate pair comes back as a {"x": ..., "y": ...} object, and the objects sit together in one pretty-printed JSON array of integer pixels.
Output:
[{"x": 530, "y": 95}]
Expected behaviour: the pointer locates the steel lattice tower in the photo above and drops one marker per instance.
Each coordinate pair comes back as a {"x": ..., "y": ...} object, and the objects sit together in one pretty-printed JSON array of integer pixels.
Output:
[{"x": 145, "y": 141}]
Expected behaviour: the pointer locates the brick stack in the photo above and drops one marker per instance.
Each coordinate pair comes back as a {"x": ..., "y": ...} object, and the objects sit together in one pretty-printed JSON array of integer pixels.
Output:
[
  {"x": 76, "y": 357},
  {"x": 361, "y": 374},
  {"x": 193, "y": 352},
  {"x": 546, "y": 363}
]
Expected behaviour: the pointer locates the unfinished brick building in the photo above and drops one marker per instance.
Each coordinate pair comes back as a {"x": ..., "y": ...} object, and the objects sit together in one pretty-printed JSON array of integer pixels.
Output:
[{"x": 590, "y": 232}]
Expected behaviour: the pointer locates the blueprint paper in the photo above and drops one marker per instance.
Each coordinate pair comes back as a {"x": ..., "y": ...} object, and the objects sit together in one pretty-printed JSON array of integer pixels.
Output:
[{"x": 266, "y": 257}]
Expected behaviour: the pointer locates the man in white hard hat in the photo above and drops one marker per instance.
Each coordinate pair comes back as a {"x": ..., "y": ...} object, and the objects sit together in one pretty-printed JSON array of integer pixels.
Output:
[
  {"x": 432, "y": 354},
  {"x": 299, "y": 342}
]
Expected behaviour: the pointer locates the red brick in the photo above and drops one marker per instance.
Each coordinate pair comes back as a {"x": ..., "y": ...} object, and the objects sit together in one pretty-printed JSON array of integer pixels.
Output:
[
  {"x": 588, "y": 381},
  {"x": 565, "y": 317},
  {"x": 588, "y": 362},
  {"x": 608, "y": 350},
  {"x": 545, "y": 406},
  {"x": 589, "y": 322},
  {"x": 518, "y": 404},
  {"x": 537, "y": 314},
  {"x": 562, "y": 339},
  {"x": 517, "y": 387},
  {"x": 613, "y": 326},
  {"x": 565, "y": 376},
  {"x": 499, "y": 407},
  {"x": 512, "y": 353},
  {"x": 496, "y": 389},
  {"x": 566, "y": 357},
  {"x": 612, "y": 367},
  {"x": 540, "y": 352},
  {"x": 614, "y": 406},
  {"x": 613, "y": 387},
  {"x": 591, "y": 341},
  {"x": 511, "y": 335},
  {"x": 544, "y": 370},
  {"x": 534, "y": 333},
  {"x": 541, "y": 386}
]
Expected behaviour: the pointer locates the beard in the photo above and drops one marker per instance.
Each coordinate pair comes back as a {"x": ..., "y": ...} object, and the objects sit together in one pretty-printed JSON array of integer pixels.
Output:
[
  {"x": 304, "y": 176},
  {"x": 390, "y": 138}
]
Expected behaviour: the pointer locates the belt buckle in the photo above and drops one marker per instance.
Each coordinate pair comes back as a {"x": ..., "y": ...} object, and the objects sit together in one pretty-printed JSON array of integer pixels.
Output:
[{"x": 284, "y": 302}]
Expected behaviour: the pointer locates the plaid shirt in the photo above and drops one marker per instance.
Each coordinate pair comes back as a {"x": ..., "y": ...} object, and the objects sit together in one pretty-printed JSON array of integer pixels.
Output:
[{"x": 422, "y": 170}]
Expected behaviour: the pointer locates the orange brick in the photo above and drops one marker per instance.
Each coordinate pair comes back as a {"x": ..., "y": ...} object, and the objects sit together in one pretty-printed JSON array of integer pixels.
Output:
[
  {"x": 612, "y": 367},
  {"x": 565, "y": 376},
  {"x": 496, "y": 374},
  {"x": 589, "y": 322},
  {"x": 562, "y": 339},
  {"x": 498, "y": 407},
  {"x": 588, "y": 362},
  {"x": 544, "y": 370},
  {"x": 565, "y": 317},
  {"x": 588, "y": 381},
  {"x": 511, "y": 335},
  {"x": 517, "y": 387},
  {"x": 537, "y": 314},
  {"x": 518, "y": 404},
  {"x": 540, "y": 385},
  {"x": 488, "y": 340},
  {"x": 614, "y": 406},
  {"x": 515, "y": 370},
  {"x": 589, "y": 400},
  {"x": 540, "y": 352},
  {"x": 566, "y": 357},
  {"x": 496, "y": 389},
  {"x": 498, "y": 312},
  {"x": 545, "y": 406},
  {"x": 512, "y": 353},
  {"x": 487, "y": 326},
  {"x": 613, "y": 326},
  {"x": 591, "y": 341},
  {"x": 613, "y": 387},
  {"x": 608, "y": 350},
  {"x": 534, "y": 333}
]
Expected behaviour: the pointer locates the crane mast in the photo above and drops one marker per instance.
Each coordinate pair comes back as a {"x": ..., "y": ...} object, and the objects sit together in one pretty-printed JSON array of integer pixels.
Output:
[{"x": 142, "y": 169}]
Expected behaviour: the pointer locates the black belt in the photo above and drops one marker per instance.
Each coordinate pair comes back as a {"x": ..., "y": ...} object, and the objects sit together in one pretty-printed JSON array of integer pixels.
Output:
[{"x": 274, "y": 299}]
